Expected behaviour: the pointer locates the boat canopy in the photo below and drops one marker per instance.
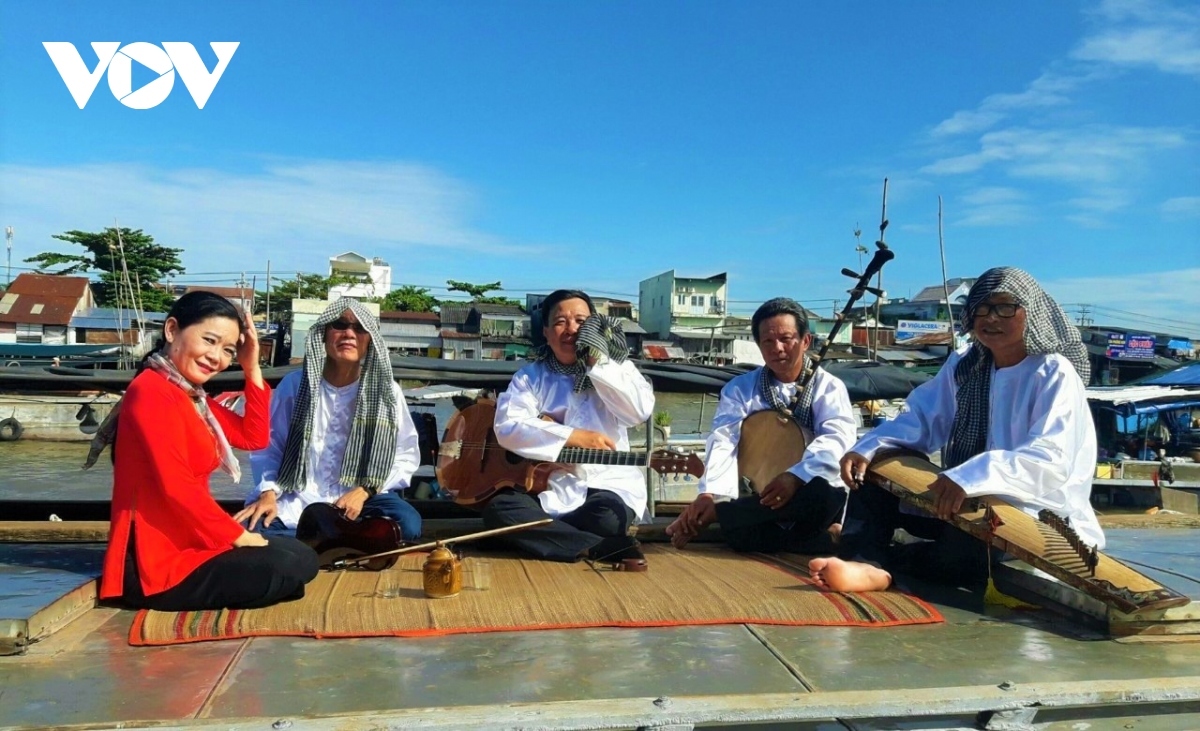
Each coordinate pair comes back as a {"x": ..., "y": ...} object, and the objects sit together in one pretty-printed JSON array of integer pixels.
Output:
[{"x": 1144, "y": 399}]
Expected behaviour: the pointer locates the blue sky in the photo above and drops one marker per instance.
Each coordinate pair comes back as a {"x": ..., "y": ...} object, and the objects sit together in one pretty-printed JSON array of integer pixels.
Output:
[{"x": 596, "y": 144}]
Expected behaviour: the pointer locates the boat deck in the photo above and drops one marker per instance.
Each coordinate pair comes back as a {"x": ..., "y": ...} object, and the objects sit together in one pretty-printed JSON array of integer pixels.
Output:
[{"x": 981, "y": 660}]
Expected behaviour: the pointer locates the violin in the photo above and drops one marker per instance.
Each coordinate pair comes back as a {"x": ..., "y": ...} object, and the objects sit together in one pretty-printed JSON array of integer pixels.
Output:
[{"x": 335, "y": 537}]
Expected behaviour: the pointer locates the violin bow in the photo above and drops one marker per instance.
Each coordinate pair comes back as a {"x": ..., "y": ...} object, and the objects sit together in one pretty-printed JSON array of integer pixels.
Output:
[
  {"x": 347, "y": 562},
  {"x": 861, "y": 286}
]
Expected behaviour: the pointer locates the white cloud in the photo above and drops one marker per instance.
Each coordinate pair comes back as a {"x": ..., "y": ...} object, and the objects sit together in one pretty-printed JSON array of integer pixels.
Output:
[
  {"x": 1082, "y": 156},
  {"x": 1048, "y": 90},
  {"x": 1138, "y": 33},
  {"x": 1152, "y": 300},
  {"x": 297, "y": 212},
  {"x": 1183, "y": 207},
  {"x": 992, "y": 206}
]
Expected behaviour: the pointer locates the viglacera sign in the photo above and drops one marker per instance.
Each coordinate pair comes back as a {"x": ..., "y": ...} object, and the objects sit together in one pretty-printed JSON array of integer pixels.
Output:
[{"x": 118, "y": 61}]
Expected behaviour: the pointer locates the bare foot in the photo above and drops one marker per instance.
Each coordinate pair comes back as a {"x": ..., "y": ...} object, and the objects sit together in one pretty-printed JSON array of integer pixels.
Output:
[{"x": 838, "y": 575}]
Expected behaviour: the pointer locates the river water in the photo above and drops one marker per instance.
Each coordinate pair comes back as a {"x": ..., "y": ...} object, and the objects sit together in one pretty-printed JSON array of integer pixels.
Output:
[{"x": 31, "y": 470}]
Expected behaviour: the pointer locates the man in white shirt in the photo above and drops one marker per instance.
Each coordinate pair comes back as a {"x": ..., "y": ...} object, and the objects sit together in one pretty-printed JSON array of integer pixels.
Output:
[
  {"x": 797, "y": 508},
  {"x": 1010, "y": 416},
  {"x": 580, "y": 392},
  {"x": 341, "y": 432}
]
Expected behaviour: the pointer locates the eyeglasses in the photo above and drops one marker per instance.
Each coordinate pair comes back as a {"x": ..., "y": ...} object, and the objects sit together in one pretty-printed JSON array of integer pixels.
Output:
[
  {"x": 347, "y": 325},
  {"x": 1004, "y": 310}
]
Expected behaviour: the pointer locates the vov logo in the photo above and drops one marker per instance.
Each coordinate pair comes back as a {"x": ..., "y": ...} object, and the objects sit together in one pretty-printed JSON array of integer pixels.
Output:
[{"x": 118, "y": 61}]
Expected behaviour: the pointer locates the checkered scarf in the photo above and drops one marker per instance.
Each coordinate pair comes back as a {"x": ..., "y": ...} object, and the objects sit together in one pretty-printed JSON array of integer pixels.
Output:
[
  {"x": 801, "y": 406},
  {"x": 1047, "y": 330},
  {"x": 159, "y": 363},
  {"x": 371, "y": 448},
  {"x": 599, "y": 334}
]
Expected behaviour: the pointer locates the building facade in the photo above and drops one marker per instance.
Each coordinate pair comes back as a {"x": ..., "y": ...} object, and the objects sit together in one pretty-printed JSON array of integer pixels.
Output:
[
  {"x": 37, "y": 308},
  {"x": 667, "y": 302},
  {"x": 373, "y": 277},
  {"x": 411, "y": 333}
]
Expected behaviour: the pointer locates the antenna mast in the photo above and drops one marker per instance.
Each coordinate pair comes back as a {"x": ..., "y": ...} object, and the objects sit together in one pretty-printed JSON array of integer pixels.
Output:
[{"x": 8, "y": 236}]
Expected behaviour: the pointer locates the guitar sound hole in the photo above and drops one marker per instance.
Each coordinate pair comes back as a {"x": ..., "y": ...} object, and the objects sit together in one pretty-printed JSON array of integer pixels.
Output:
[{"x": 511, "y": 457}]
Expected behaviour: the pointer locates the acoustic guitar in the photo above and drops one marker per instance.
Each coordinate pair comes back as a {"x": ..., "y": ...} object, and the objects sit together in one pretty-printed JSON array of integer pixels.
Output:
[
  {"x": 770, "y": 444},
  {"x": 473, "y": 467}
]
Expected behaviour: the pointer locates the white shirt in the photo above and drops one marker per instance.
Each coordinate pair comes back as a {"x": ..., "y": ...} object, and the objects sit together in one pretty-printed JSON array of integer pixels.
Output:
[
  {"x": 334, "y": 407},
  {"x": 833, "y": 422},
  {"x": 1041, "y": 443},
  {"x": 622, "y": 398}
]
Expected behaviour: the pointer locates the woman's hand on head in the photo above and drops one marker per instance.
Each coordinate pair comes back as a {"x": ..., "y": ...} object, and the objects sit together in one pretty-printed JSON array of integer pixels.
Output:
[{"x": 247, "y": 352}]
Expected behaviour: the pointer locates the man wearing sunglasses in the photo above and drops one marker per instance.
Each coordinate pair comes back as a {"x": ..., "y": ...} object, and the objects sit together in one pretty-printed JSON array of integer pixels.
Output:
[
  {"x": 341, "y": 431},
  {"x": 1009, "y": 414}
]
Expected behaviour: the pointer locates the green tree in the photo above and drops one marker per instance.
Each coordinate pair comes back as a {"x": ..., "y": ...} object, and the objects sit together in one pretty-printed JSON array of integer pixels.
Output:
[
  {"x": 476, "y": 291},
  {"x": 146, "y": 261},
  {"x": 302, "y": 286},
  {"x": 408, "y": 298}
]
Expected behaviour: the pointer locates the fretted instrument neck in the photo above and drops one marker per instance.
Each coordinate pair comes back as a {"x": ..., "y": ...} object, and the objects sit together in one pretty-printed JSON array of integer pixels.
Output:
[{"x": 579, "y": 455}]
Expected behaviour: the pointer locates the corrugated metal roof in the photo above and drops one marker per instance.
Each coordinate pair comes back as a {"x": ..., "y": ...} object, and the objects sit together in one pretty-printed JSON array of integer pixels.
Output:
[
  {"x": 48, "y": 285},
  {"x": 451, "y": 314},
  {"x": 108, "y": 318},
  {"x": 1135, "y": 394},
  {"x": 663, "y": 352},
  {"x": 32, "y": 309},
  {"x": 916, "y": 356},
  {"x": 422, "y": 317},
  {"x": 936, "y": 293},
  {"x": 233, "y": 293},
  {"x": 1185, "y": 375},
  {"x": 490, "y": 309},
  {"x": 631, "y": 327},
  {"x": 456, "y": 335}
]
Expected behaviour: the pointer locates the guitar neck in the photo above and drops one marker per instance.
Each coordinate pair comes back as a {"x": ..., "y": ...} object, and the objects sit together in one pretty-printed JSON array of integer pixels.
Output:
[{"x": 578, "y": 455}]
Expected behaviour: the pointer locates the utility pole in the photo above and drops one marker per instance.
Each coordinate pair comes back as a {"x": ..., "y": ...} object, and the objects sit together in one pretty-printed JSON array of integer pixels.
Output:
[
  {"x": 268, "y": 295},
  {"x": 1084, "y": 311},
  {"x": 945, "y": 286},
  {"x": 8, "y": 236},
  {"x": 242, "y": 290}
]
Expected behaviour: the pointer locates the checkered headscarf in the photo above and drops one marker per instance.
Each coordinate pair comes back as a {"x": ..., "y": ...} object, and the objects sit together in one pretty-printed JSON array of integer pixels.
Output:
[
  {"x": 599, "y": 334},
  {"x": 371, "y": 448},
  {"x": 1047, "y": 330}
]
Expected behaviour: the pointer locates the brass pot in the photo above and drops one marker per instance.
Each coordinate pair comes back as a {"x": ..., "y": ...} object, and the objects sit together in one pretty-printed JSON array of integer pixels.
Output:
[{"x": 442, "y": 573}]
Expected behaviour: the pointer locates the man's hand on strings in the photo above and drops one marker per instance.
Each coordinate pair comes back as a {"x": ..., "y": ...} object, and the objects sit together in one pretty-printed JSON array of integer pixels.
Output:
[
  {"x": 948, "y": 497},
  {"x": 351, "y": 504},
  {"x": 588, "y": 439},
  {"x": 854, "y": 469}
]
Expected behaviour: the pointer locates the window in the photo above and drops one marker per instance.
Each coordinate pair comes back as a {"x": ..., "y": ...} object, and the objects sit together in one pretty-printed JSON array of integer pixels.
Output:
[
  {"x": 29, "y": 333},
  {"x": 697, "y": 300},
  {"x": 683, "y": 299}
]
